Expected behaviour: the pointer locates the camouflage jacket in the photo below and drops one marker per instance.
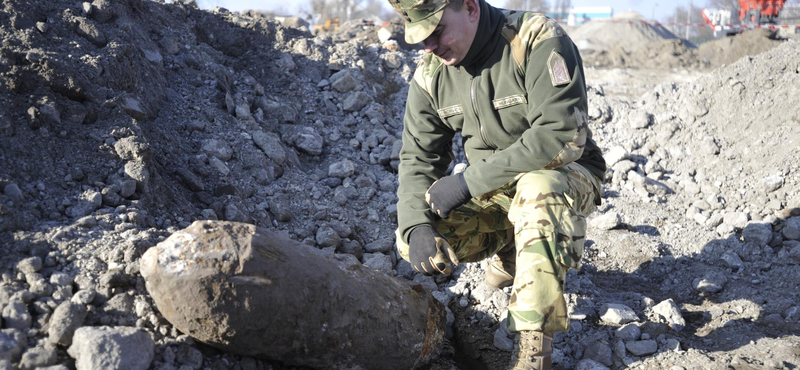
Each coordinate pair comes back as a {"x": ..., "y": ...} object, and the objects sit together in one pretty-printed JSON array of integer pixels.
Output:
[{"x": 521, "y": 108}]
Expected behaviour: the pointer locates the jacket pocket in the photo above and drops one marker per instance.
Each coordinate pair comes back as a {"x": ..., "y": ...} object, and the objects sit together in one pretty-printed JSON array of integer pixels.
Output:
[
  {"x": 509, "y": 101},
  {"x": 450, "y": 111}
]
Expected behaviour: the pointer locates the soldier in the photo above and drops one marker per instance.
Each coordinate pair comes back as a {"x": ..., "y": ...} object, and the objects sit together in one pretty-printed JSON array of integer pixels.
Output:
[{"x": 513, "y": 84}]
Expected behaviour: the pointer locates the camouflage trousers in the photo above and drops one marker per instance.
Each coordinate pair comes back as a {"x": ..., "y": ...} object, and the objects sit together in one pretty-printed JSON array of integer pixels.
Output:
[{"x": 543, "y": 214}]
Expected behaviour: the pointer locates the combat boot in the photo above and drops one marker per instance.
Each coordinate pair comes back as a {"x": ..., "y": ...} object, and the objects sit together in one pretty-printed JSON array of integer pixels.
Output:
[
  {"x": 502, "y": 268},
  {"x": 533, "y": 350}
]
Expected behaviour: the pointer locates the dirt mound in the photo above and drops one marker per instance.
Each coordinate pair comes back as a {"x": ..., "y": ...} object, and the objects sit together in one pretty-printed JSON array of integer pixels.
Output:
[
  {"x": 730, "y": 49},
  {"x": 663, "y": 54},
  {"x": 627, "y": 30}
]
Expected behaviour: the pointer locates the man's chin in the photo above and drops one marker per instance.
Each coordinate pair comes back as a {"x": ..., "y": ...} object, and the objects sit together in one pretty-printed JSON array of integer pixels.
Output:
[{"x": 450, "y": 61}]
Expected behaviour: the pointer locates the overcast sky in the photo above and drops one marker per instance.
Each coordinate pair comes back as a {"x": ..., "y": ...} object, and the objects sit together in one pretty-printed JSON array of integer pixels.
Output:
[{"x": 661, "y": 8}]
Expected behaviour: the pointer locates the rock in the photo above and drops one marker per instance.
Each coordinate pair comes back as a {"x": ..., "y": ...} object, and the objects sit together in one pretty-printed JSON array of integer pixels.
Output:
[
  {"x": 606, "y": 221},
  {"x": 270, "y": 144},
  {"x": 343, "y": 81},
  {"x": 628, "y": 332},
  {"x": 38, "y": 357},
  {"x": 669, "y": 312},
  {"x": 588, "y": 364},
  {"x": 355, "y": 102},
  {"x": 615, "y": 155},
  {"x": 137, "y": 171},
  {"x": 189, "y": 356},
  {"x": 217, "y": 148},
  {"x": 426, "y": 281},
  {"x": 133, "y": 108},
  {"x": 380, "y": 246},
  {"x": 83, "y": 296},
  {"x": 638, "y": 120},
  {"x": 127, "y": 188},
  {"x": 295, "y": 22},
  {"x": 29, "y": 265},
  {"x": 328, "y": 237},
  {"x": 598, "y": 351},
  {"x": 708, "y": 146},
  {"x": 285, "y": 62},
  {"x": 88, "y": 30},
  {"x": 642, "y": 347},
  {"x": 342, "y": 169},
  {"x": 482, "y": 293},
  {"x": 188, "y": 178},
  {"x": 309, "y": 141},
  {"x": 772, "y": 183},
  {"x": 501, "y": 339},
  {"x": 67, "y": 318},
  {"x": 121, "y": 348},
  {"x": 758, "y": 233},
  {"x": 711, "y": 283},
  {"x": 735, "y": 219},
  {"x": 378, "y": 261},
  {"x": 16, "y": 316},
  {"x": 732, "y": 260},
  {"x": 195, "y": 125},
  {"x": 12, "y": 342},
  {"x": 617, "y": 314},
  {"x": 12, "y": 191}
]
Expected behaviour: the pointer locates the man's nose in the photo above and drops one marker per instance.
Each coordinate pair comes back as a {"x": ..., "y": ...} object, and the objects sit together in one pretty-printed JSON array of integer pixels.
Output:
[{"x": 431, "y": 43}]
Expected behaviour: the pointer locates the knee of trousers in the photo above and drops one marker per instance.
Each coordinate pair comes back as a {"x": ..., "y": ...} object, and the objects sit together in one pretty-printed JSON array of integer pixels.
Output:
[{"x": 537, "y": 192}]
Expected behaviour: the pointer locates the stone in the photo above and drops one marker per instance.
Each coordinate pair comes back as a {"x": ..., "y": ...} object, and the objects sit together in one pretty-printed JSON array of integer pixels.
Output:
[
  {"x": 628, "y": 332},
  {"x": 588, "y": 364},
  {"x": 38, "y": 357},
  {"x": 12, "y": 343},
  {"x": 355, "y": 102},
  {"x": 188, "y": 178},
  {"x": 669, "y": 312},
  {"x": 328, "y": 237},
  {"x": 342, "y": 169},
  {"x": 217, "y": 148},
  {"x": 270, "y": 144},
  {"x": 501, "y": 339},
  {"x": 615, "y": 155},
  {"x": 16, "y": 316},
  {"x": 606, "y": 221},
  {"x": 711, "y": 283},
  {"x": 772, "y": 183},
  {"x": 285, "y": 62},
  {"x": 189, "y": 356},
  {"x": 29, "y": 265},
  {"x": 103, "y": 347},
  {"x": 482, "y": 293},
  {"x": 309, "y": 141},
  {"x": 735, "y": 219},
  {"x": 137, "y": 170},
  {"x": 13, "y": 191},
  {"x": 758, "y": 233},
  {"x": 639, "y": 120},
  {"x": 426, "y": 281},
  {"x": 343, "y": 81},
  {"x": 617, "y": 314},
  {"x": 379, "y": 246},
  {"x": 598, "y": 351},
  {"x": 642, "y": 347},
  {"x": 732, "y": 260},
  {"x": 67, "y": 318},
  {"x": 88, "y": 30},
  {"x": 378, "y": 261}
]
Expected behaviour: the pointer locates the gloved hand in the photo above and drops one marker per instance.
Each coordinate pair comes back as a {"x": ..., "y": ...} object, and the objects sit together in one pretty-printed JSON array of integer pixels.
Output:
[
  {"x": 447, "y": 194},
  {"x": 427, "y": 250}
]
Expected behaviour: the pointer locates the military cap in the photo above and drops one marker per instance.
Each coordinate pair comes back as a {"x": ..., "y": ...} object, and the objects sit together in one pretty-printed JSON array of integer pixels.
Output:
[{"x": 421, "y": 17}]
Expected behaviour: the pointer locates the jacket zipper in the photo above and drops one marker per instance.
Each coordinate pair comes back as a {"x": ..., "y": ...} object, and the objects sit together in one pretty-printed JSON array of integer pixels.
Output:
[{"x": 475, "y": 109}]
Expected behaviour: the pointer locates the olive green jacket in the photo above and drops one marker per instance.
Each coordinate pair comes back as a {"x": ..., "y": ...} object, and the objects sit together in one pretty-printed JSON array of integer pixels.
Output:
[{"x": 516, "y": 106}]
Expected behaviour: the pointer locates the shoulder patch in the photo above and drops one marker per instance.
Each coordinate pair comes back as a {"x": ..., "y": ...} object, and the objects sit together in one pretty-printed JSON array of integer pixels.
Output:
[
  {"x": 559, "y": 73},
  {"x": 525, "y": 30},
  {"x": 426, "y": 69}
]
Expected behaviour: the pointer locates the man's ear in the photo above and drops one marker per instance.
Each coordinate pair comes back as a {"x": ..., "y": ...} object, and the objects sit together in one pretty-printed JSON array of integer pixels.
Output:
[{"x": 473, "y": 9}]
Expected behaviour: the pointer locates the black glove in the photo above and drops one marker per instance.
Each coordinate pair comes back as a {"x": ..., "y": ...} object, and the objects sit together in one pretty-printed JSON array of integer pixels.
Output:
[
  {"x": 447, "y": 194},
  {"x": 427, "y": 250}
]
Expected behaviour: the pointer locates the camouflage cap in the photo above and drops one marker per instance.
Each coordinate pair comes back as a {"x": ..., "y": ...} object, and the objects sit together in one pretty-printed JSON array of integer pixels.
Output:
[{"x": 421, "y": 17}]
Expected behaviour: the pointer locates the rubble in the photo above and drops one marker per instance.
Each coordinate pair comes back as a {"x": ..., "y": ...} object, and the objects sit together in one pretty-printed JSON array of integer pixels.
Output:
[{"x": 145, "y": 117}]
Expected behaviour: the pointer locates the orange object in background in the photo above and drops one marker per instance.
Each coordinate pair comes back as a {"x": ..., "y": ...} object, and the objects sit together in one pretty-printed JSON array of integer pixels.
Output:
[{"x": 760, "y": 11}]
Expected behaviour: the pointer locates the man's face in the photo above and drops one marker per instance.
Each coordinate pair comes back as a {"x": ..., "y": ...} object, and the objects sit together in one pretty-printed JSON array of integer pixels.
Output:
[{"x": 453, "y": 36}]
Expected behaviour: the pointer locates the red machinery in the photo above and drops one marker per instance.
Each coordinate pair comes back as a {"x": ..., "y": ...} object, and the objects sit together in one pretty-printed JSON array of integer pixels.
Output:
[{"x": 760, "y": 11}]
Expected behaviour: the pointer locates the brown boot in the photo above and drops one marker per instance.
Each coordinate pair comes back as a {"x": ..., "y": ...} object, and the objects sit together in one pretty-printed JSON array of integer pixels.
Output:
[
  {"x": 533, "y": 350},
  {"x": 502, "y": 268}
]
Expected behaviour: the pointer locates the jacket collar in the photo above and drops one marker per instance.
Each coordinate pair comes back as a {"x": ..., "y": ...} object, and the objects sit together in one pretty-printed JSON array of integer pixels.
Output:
[{"x": 490, "y": 28}]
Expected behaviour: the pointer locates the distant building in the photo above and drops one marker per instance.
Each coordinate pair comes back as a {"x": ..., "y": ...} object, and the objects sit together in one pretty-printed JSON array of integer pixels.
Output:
[{"x": 580, "y": 15}]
